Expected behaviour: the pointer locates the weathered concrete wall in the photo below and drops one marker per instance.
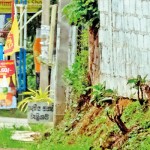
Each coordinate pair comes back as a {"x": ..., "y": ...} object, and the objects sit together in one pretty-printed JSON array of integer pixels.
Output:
[{"x": 124, "y": 39}]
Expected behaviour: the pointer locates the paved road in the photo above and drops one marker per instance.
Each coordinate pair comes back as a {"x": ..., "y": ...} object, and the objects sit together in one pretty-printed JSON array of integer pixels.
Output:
[{"x": 13, "y": 122}]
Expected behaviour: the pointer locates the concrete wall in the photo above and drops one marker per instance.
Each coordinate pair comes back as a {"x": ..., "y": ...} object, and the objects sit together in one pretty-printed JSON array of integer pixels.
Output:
[{"x": 124, "y": 37}]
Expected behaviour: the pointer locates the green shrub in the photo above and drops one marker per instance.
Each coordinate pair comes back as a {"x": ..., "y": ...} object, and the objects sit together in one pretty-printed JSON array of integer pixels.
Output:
[
  {"x": 76, "y": 77},
  {"x": 100, "y": 94},
  {"x": 82, "y": 12}
]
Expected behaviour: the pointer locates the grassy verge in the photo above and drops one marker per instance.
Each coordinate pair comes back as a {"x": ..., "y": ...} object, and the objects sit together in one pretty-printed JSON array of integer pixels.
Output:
[
  {"x": 14, "y": 113},
  {"x": 7, "y": 142}
]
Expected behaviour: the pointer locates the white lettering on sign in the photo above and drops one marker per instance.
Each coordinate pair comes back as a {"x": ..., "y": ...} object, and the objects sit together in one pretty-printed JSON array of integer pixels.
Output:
[{"x": 5, "y": 70}]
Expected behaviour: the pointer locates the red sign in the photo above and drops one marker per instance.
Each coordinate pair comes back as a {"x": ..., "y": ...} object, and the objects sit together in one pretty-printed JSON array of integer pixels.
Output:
[{"x": 7, "y": 68}]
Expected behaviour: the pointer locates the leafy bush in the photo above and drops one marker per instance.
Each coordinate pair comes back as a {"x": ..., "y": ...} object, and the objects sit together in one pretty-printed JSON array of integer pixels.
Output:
[
  {"x": 100, "y": 94},
  {"x": 82, "y": 12},
  {"x": 76, "y": 76}
]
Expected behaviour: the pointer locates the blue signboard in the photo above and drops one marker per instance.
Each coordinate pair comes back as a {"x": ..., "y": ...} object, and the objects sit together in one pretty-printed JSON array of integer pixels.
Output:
[
  {"x": 1, "y": 51},
  {"x": 21, "y": 70}
]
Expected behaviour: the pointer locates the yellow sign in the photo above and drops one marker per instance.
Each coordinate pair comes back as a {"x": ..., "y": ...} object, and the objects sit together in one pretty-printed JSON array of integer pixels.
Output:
[
  {"x": 32, "y": 6},
  {"x": 11, "y": 44}
]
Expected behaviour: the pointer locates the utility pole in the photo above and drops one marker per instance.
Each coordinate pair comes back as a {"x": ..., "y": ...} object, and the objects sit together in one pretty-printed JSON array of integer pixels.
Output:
[
  {"x": 62, "y": 48},
  {"x": 44, "y": 71}
]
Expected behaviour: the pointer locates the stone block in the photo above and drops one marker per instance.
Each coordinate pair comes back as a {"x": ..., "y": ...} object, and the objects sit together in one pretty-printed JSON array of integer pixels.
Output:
[
  {"x": 145, "y": 9},
  {"x": 136, "y": 24},
  {"x": 143, "y": 24}
]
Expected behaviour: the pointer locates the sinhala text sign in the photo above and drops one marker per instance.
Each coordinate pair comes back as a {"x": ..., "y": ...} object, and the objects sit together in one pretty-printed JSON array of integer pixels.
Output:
[
  {"x": 7, "y": 84},
  {"x": 40, "y": 112},
  {"x": 33, "y": 5}
]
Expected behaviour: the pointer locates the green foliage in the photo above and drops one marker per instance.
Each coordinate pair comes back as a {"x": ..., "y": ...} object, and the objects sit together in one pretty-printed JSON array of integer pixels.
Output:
[
  {"x": 137, "y": 141},
  {"x": 34, "y": 96},
  {"x": 15, "y": 113},
  {"x": 30, "y": 64},
  {"x": 82, "y": 39},
  {"x": 82, "y": 12},
  {"x": 42, "y": 128},
  {"x": 99, "y": 131},
  {"x": 133, "y": 114},
  {"x": 59, "y": 140},
  {"x": 7, "y": 142},
  {"x": 100, "y": 94},
  {"x": 137, "y": 83},
  {"x": 76, "y": 76},
  {"x": 31, "y": 79}
]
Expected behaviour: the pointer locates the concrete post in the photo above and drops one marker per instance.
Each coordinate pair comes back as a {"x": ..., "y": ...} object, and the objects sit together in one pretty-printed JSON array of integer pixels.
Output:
[
  {"x": 61, "y": 63},
  {"x": 44, "y": 73}
]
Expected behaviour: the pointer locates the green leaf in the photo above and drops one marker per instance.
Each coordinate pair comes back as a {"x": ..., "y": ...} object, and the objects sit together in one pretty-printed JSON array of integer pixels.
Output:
[
  {"x": 133, "y": 80},
  {"x": 34, "y": 96}
]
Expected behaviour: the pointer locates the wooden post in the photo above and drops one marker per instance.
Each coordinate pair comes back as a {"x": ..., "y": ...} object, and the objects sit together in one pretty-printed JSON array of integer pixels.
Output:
[{"x": 44, "y": 72}]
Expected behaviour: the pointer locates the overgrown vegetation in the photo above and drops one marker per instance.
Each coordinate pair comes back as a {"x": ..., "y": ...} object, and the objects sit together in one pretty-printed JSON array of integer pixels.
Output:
[
  {"x": 95, "y": 130},
  {"x": 82, "y": 12},
  {"x": 99, "y": 94},
  {"x": 115, "y": 125},
  {"x": 85, "y": 14},
  {"x": 119, "y": 125},
  {"x": 138, "y": 83},
  {"x": 77, "y": 76}
]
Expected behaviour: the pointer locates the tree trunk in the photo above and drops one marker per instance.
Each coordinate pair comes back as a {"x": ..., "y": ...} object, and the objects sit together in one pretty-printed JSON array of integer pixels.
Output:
[
  {"x": 117, "y": 119},
  {"x": 94, "y": 56},
  {"x": 121, "y": 125}
]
